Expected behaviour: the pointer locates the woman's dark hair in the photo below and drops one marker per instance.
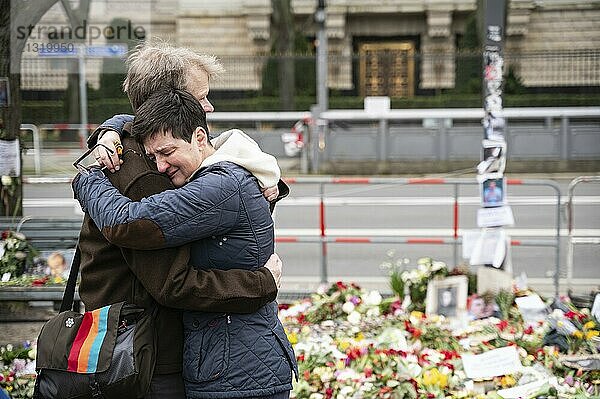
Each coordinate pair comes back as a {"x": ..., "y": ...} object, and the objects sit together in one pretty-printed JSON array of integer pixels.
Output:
[{"x": 174, "y": 111}]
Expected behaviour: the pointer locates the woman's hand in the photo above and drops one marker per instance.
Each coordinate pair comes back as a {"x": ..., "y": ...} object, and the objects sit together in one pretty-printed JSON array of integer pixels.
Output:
[
  {"x": 110, "y": 139},
  {"x": 271, "y": 193}
]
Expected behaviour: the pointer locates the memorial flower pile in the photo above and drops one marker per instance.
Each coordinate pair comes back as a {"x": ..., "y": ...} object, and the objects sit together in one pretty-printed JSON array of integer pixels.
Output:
[
  {"x": 15, "y": 252},
  {"x": 352, "y": 343},
  {"x": 17, "y": 370}
]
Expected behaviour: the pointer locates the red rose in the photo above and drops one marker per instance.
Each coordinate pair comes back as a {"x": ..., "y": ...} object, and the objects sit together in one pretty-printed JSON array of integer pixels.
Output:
[
  {"x": 40, "y": 281},
  {"x": 502, "y": 325}
]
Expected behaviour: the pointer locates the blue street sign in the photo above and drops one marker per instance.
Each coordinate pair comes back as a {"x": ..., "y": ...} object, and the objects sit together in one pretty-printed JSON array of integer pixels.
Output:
[
  {"x": 58, "y": 51},
  {"x": 106, "y": 50}
]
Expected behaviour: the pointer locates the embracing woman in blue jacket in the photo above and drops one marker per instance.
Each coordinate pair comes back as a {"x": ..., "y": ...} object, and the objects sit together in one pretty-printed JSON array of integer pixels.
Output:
[{"x": 220, "y": 209}]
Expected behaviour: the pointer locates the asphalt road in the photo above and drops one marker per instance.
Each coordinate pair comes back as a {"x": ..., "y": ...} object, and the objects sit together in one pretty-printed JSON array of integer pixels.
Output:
[{"x": 399, "y": 211}]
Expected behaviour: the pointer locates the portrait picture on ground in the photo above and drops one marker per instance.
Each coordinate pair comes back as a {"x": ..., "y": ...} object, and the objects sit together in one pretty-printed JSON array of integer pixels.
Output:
[{"x": 447, "y": 297}]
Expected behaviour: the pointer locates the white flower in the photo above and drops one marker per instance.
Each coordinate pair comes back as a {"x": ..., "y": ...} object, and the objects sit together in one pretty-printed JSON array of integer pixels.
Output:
[
  {"x": 19, "y": 236},
  {"x": 354, "y": 317},
  {"x": 373, "y": 298},
  {"x": 294, "y": 310},
  {"x": 328, "y": 323},
  {"x": 335, "y": 352},
  {"x": 316, "y": 395},
  {"x": 433, "y": 356},
  {"x": 348, "y": 307},
  {"x": 413, "y": 370},
  {"x": 373, "y": 312},
  {"x": 344, "y": 375},
  {"x": 437, "y": 265},
  {"x": 394, "y": 338},
  {"x": 366, "y": 387},
  {"x": 6, "y": 180},
  {"x": 347, "y": 390}
]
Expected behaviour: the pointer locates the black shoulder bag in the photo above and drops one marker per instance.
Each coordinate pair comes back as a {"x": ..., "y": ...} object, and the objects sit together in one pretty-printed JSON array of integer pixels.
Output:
[{"x": 107, "y": 353}]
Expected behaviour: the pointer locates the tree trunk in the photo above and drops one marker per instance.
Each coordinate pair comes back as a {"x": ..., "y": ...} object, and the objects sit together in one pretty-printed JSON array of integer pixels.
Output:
[
  {"x": 15, "y": 14},
  {"x": 76, "y": 18},
  {"x": 283, "y": 24}
]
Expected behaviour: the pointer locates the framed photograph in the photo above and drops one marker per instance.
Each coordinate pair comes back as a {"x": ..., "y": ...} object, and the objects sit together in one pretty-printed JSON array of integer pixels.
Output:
[
  {"x": 447, "y": 297},
  {"x": 4, "y": 92},
  {"x": 477, "y": 308},
  {"x": 493, "y": 189}
]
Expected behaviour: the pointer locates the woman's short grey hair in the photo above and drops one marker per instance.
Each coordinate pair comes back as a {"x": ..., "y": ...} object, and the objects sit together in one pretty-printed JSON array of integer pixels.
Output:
[{"x": 157, "y": 66}]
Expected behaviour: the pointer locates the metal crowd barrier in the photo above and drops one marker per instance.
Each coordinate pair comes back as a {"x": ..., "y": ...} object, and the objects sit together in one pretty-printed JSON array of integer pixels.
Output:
[
  {"x": 575, "y": 240},
  {"x": 325, "y": 239}
]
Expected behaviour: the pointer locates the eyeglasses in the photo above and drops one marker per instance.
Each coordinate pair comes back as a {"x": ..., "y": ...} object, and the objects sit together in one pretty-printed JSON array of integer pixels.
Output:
[{"x": 87, "y": 169}]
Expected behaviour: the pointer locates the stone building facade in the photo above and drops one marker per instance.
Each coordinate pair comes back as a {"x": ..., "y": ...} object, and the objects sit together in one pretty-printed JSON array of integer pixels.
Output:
[{"x": 549, "y": 42}]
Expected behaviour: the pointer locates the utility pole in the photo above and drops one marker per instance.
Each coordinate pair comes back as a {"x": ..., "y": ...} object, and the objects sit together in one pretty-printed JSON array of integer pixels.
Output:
[
  {"x": 493, "y": 247},
  {"x": 322, "y": 92}
]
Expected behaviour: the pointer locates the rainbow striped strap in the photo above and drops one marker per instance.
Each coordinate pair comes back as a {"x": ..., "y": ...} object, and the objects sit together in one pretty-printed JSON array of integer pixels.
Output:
[{"x": 86, "y": 348}]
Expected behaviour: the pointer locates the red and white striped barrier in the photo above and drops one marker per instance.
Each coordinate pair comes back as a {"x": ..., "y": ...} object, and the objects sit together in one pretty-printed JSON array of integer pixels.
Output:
[{"x": 323, "y": 239}]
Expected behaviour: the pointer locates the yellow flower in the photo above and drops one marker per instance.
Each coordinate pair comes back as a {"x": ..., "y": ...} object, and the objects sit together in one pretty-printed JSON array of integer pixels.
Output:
[
  {"x": 340, "y": 365},
  {"x": 344, "y": 345},
  {"x": 591, "y": 334},
  {"x": 416, "y": 314},
  {"x": 578, "y": 334},
  {"x": 359, "y": 336},
  {"x": 292, "y": 337},
  {"x": 508, "y": 381},
  {"x": 434, "y": 377},
  {"x": 589, "y": 325}
]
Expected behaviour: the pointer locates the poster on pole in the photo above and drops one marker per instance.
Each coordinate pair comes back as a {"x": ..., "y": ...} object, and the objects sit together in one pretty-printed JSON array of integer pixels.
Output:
[
  {"x": 10, "y": 160},
  {"x": 490, "y": 248}
]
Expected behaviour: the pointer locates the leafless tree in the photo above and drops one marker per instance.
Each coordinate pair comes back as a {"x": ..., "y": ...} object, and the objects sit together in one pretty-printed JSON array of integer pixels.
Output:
[{"x": 15, "y": 14}]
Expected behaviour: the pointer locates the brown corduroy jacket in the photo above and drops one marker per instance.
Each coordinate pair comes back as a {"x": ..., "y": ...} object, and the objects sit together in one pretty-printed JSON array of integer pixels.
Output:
[{"x": 111, "y": 274}]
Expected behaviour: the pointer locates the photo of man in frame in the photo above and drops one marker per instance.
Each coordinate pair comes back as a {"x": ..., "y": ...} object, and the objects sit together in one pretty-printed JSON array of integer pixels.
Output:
[
  {"x": 447, "y": 297},
  {"x": 492, "y": 192}
]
